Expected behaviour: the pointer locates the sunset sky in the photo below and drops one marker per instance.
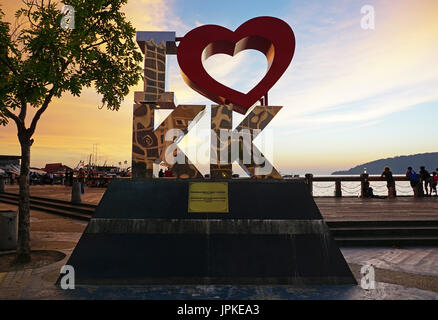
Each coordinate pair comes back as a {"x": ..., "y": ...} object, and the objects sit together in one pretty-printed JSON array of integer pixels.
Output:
[{"x": 350, "y": 95}]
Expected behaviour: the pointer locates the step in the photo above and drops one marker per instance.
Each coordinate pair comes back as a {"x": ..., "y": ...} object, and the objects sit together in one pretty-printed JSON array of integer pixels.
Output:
[
  {"x": 69, "y": 214},
  {"x": 386, "y": 228},
  {"x": 86, "y": 205},
  {"x": 382, "y": 224},
  {"x": 64, "y": 206},
  {"x": 71, "y": 208},
  {"x": 388, "y": 241},
  {"x": 385, "y": 231}
]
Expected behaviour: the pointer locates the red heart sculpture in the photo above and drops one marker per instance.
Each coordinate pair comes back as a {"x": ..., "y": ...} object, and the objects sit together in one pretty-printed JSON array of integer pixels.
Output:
[{"x": 271, "y": 36}]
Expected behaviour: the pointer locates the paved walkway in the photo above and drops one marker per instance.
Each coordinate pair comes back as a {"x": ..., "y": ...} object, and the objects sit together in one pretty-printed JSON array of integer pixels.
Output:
[
  {"x": 48, "y": 232},
  {"x": 421, "y": 261}
]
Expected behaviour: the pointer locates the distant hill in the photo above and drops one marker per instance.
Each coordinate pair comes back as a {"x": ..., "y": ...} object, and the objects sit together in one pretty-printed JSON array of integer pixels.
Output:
[{"x": 398, "y": 165}]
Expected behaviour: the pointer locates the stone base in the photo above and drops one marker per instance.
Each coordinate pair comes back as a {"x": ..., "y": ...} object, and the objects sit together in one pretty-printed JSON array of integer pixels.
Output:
[
  {"x": 142, "y": 233},
  {"x": 8, "y": 230}
]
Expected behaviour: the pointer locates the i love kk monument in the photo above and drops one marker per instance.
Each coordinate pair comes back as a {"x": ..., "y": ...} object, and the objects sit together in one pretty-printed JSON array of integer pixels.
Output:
[{"x": 217, "y": 229}]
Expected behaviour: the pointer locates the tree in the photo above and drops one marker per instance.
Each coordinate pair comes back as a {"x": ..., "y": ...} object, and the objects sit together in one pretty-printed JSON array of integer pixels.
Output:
[{"x": 40, "y": 59}]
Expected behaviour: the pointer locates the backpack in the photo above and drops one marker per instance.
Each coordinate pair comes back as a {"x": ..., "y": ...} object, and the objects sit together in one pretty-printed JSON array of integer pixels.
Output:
[{"x": 412, "y": 176}]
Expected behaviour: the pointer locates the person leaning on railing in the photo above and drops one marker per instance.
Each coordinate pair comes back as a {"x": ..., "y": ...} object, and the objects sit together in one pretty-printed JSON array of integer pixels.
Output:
[
  {"x": 390, "y": 182},
  {"x": 414, "y": 180}
]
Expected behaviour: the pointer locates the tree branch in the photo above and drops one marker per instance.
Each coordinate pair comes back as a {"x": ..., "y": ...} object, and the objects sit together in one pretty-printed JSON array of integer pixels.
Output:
[
  {"x": 29, "y": 12},
  {"x": 9, "y": 66},
  {"x": 95, "y": 45},
  {"x": 46, "y": 102},
  {"x": 9, "y": 114},
  {"x": 41, "y": 111},
  {"x": 23, "y": 110},
  {"x": 17, "y": 27}
]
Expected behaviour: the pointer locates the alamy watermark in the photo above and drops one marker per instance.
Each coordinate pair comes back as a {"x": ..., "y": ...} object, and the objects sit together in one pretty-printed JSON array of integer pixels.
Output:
[
  {"x": 368, "y": 280},
  {"x": 68, "y": 21},
  {"x": 226, "y": 147},
  {"x": 368, "y": 21},
  {"x": 68, "y": 279}
]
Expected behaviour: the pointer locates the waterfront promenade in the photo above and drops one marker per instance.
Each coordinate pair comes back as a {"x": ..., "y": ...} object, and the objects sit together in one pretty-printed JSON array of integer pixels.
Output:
[
  {"x": 332, "y": 209},
  {"x": 401, "y": 272}
]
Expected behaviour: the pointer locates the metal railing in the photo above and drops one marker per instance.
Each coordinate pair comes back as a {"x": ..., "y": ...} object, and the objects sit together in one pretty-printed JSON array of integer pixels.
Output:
[{"x": 338, "y": 186}]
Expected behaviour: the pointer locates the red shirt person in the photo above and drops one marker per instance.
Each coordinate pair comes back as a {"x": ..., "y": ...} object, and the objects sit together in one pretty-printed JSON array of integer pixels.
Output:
[{"x": 168, "y": 173}]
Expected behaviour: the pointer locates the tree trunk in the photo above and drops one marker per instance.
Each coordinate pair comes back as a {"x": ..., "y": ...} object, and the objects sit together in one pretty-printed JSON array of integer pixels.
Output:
[{"x": 23, "y": 245}]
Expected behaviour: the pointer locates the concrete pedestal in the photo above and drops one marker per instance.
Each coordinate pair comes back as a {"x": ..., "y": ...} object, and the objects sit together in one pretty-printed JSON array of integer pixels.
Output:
[
  {"x": 8, "y": 230},
  {"x": 76, "y": 193},
  {"x": 273, "y": 233}
]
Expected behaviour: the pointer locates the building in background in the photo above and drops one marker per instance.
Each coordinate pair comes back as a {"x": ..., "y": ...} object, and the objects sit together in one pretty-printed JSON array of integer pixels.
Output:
[
  {"x": 56, "y": 168},
  {"x": 9, "y": 165}
]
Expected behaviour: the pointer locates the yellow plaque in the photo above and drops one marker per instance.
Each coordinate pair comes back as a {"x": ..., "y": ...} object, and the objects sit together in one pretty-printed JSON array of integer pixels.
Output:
[{"x": 208, "y": 197}]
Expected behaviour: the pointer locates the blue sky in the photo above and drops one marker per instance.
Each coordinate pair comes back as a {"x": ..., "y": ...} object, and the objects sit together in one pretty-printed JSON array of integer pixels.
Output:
[{"x": 350, "y": 95}]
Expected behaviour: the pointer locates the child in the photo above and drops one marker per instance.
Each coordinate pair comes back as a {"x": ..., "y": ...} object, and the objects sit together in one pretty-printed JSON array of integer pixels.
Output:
[{"x": 434, "y": 182}]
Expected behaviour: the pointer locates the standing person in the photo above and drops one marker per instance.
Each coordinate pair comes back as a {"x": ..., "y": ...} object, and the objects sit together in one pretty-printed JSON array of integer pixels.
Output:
[
  {"x": 70, "y": 178},
  {"x": 434, "y": 183},
  {"x": 51, "y": 178},
  {"x": 390, "y": 182},
  {"x": 90, "y": 178},
  {"x": 33, "y": 178},
  {"x": 414, "y": 180},
  {"x": 161, "y": 173},
  {"x": 66, "y": 177},
  {"x": 425, "y": 177},
  {"x": 81, "y": 179}
]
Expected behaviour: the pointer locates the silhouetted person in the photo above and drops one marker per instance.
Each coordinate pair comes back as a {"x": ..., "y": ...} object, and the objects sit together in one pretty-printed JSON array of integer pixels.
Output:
[
  {"x": 66, "y": 177},
  {"x": 70, "y": 178},
  {"x": 368, "y": 192},
  {"x": 161, "y": 173},
  {"x": 414, "y": 180},
  {"x": 81, "y": 179},
  {"x": 90, "y": 178},
  {"x": 434, "y": 183},
  {"x": 425, "y": 178},
  {"x": 390, "y": 182},
  {"x": 35, "y": 177}
]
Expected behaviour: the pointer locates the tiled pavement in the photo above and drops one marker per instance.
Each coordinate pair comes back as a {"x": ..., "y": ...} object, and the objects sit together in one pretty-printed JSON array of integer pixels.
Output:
[
  {"x": 39, "y": 284},
  {"x": 13, "y": 284},
  {"x": 382, "y": 291}
]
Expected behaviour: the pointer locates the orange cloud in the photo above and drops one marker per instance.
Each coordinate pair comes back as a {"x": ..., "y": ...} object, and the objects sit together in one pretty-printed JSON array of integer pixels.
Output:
[{"x": 70, "y": 126}]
